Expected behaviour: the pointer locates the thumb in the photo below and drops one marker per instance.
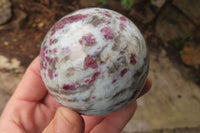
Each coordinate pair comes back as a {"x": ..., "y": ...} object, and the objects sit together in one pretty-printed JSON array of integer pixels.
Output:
[{"x": 65, "y": 121}]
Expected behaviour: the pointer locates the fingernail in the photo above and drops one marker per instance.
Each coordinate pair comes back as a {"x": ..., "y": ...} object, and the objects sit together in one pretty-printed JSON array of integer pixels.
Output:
[{"x": 63, "y": 125}]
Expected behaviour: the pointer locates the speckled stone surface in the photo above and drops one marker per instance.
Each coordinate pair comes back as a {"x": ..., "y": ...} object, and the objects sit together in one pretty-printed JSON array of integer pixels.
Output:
[{"x": 94, "y": 61}]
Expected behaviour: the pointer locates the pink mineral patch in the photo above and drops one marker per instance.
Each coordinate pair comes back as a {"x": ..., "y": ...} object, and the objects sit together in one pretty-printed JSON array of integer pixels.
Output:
[
  {"x": 114, "y": 81},
  {"x": 102, "y": 62},
  {"x": 88, "y": 40},
  {"x": 50, "y": 73},
  {"x": 47, "y": 58},
  {"x": 54, "y": 63},
  {"x": 44, "y": 65},
  {"x": 66, "y": 49},
  {"x": 52, "y": 41},
  {"x": 90, "y": 62},
  {"x": 69, "y": 87},
  {"x": 94, "y": 77},
  {"x": 43, "y": 53},
  {"x": 53, "y": 51},
  {"x": 107, "y": 14},
  {"x": 87, "y": 100},
  {"x": 107, "y": 33},
  {"x": 123, "y": 72},
  {"x": 122, "y": 26},
  {"x": 68, "y": 20},
  {"x": 132, "y": 59},
  {"x": 87, "y": 81},
  {"x": 107, "y": 22},
  {"x": 122, "y": 18},
  {"x": 123, "y": 23}
]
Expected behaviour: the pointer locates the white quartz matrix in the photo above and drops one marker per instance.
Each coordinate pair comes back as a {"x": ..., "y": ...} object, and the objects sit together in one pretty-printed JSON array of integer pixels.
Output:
[{"x": 94, "y": 61}]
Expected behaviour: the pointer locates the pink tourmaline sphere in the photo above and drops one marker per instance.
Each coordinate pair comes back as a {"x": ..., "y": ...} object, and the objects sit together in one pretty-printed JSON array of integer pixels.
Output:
[{"x": 94, "y": 61}]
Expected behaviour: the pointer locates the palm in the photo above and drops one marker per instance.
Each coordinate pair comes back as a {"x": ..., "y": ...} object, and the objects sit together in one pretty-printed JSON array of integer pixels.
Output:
[
  {"x": 34, "y": 116},
  {"x": 31, "y": 108}
]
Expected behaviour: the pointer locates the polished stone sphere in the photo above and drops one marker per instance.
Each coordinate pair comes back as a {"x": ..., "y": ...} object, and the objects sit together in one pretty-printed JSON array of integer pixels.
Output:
[{"x": 94, "y": 61}]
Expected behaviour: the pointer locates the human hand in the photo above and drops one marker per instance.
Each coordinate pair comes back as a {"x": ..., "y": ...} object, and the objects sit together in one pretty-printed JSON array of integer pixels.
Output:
[{"x": 32, "y": 109}]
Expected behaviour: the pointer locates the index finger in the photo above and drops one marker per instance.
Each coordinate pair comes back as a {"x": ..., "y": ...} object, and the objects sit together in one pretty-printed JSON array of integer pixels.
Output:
[{"x": 31, "y": 87}]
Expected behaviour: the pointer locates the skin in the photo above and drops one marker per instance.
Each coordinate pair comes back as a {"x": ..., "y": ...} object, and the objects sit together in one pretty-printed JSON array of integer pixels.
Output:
[{"x": 32, "y": 109}]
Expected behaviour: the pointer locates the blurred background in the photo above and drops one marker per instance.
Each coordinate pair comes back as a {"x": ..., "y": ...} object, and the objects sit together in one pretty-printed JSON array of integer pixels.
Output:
[{"x": 171, "y": 29}]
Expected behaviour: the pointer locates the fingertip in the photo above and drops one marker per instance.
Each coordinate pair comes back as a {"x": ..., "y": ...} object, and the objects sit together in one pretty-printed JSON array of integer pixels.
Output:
[
  {"x": 31, "y": 87},
  {"x": 65, "y": 121},
  {"x": 35, "y": 66},
  {"x": 72, "y": 119},
  {"x": 146, "y": 87},
  {"x": 148, "y": 83},
  {"x": 115, "y": 122}
]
